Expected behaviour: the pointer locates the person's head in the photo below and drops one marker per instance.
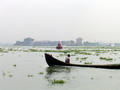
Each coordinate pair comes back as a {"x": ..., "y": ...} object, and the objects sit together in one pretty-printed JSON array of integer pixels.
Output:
[{"x": 68, "y": 55}]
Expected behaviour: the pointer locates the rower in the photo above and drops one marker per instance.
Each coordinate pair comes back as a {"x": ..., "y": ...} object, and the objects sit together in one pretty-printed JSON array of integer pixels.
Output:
[{"x": 67, "y": 59}]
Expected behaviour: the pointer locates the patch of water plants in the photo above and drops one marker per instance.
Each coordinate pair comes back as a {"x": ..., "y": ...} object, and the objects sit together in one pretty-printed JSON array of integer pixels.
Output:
[
  {"x": 41, "y": 73},
  {"x": 107, "y": 59},
  {"x": 87, "y": 62},
  {"x": 3, "y": 50},
  {"x": 30, "y": 75},
  {"x": 63, "y": 51},
  {"x": 3, "y": 73},
  {"x": 97, "y": 54},
  {"x": 77, "y": 58},
  {"x": 57, "y": 81},
  {"x": 62, "y": 54},
  {"x": 35, "y": 50},
  {"x": 10, "y": 75},
  {"x": 14, "y": 65},
  {"x": 83, "y": 58},
  {"x": 83, "y": 53},
  {"x": 70, "y": 51}
]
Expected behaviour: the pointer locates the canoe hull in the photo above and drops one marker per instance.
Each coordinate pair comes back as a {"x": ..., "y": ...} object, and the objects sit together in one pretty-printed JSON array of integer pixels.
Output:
[{"x": 51, "y": 61}]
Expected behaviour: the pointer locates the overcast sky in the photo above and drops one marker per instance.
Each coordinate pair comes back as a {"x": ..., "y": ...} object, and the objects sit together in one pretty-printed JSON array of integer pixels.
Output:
[{"x": 93, "y": 20}]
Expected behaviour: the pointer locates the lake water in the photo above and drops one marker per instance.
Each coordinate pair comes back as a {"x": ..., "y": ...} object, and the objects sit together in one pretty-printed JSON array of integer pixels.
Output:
[{"x": 25, "y": 69}]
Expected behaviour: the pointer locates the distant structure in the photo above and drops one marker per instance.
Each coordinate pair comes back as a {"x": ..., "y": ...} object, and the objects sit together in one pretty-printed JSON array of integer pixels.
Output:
[
  {"x": 117, "y": 44},
  {"x": 27, "y": 42},
  {"x": 59, "y": 46},
  {"x": 79, "y": 42},
  {"x": 91, "y": 43}
]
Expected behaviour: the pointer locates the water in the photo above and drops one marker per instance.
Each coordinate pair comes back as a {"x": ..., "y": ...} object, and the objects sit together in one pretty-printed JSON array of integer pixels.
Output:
[{"x": 21, "y": 70}]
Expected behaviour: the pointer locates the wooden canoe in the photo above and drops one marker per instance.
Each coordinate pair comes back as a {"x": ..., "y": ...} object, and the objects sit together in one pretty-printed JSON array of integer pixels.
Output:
[{"x": 51, "y": 61}]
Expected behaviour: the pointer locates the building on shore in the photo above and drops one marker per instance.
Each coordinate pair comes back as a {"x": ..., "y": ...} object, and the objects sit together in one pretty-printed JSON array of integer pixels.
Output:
[
  {"x": 79, "y": 42},
  {"x": 27, "y": 42}
]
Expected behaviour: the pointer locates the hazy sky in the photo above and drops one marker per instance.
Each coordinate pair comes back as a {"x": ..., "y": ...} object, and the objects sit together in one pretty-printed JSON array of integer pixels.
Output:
[{"x": 93, "y": 20}]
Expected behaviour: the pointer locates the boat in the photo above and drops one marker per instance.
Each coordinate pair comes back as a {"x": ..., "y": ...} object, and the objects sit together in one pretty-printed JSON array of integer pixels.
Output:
[
  {"x": 51, "y": 61},
  {"x": 59, "y": 46}
]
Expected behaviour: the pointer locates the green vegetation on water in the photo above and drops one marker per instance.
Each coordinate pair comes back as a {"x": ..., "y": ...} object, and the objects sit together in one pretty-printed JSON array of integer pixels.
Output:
[
  {"x": 30, "y": 75},
  {"x": 83, "y": 58},
  {"x": 57, "y": 81},
  {"x": 91, "y": 78},
  {"x": 88, "y": 63},
  {"x": 41, "y": 73},
  {"x": 35, "y": 50},
  {"x": 107, "y": 59},
  {"x": 1, "y": 50},
  {"x": 14, "y": 65},
  {"x": 10, "y": 75},
  {"x": 3, "y": 73},
  {"x": 77, "y": 58},
  {"x": 83, "y": 53}
]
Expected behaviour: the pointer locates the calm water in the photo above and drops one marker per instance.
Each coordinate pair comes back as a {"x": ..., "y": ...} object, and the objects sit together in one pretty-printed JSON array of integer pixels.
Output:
[{"x": 21, "y": 70}]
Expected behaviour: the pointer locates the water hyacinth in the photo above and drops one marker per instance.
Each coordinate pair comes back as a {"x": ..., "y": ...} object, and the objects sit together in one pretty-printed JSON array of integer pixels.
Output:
[
  {"x": 14, "y": 65},
  {"x": 83, "y": 58},
  {"x": 77, "y": 58},
  {"x": 88, "y": 63},
  {"x": 41, "y": 73},
  {"x": 3, "y": 73},
  {"x": 57, "y": 81},
  {"x": 30, "y": 75},
  {"x": 107, "y": 59},
  {"x": 91, "y": 78},
  {"x": 1, "y": 50},
  {"x": 33, "y": 50},
  {"x": 62, "y": 54},
  {"x": 83, "y": 53},
  {"x": 10, "y": 75}
]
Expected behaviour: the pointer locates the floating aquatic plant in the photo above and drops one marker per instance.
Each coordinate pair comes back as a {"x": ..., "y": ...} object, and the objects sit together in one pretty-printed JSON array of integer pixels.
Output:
[
  {"x": 3, "y": 73},
  {"x": 57, "y": 81},
  {"x": 10, "y": 75},
  {"x": 107, "y": 59},
  {"x": 33, "y": 50},
  {"x": 72, "y": 55},
  {"x": 14, "y": 65},
  {"x": 91, "y": 78},
  {"x": 61, "y": 54},
  {"x": 88, "y": 63},
  {"x": 110, "y": 76},
  {"x": 77, "y": 58},
  {"x": 30, "y": 75},
  {"x": 41, "y": 73},
  {"x": 97, "y": 54},
  {"x": 10, "y": 49},
  {"x": 25, "y": 50},
  {"x": 1, "y": 50},
  {"x": 83, "y": 53},
  {"x": 83, "y": 58}
]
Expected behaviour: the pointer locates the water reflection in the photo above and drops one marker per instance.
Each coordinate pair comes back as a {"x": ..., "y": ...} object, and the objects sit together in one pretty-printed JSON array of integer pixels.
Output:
[
  {"x": 57, "y": 69},
  {"x": 57, "y": 72}
]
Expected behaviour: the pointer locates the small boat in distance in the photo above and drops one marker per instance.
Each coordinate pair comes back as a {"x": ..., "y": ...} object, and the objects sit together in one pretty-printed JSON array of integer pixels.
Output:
[
  {"x": 51, "y": 61},
  {"x": 59, "y": 46}
]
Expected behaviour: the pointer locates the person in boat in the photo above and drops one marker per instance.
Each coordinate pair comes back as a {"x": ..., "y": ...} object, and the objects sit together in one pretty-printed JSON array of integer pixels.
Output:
[{"x": 67, "y": 59}]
